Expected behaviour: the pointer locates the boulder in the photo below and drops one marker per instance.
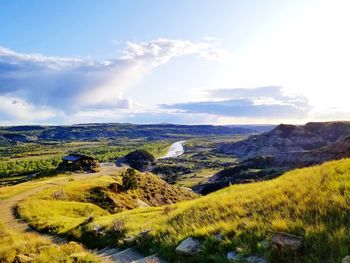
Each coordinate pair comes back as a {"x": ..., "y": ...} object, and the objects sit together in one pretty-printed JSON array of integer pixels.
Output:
[
  {"x": 218, "y": 237},
  {"x": 346, "y": 259},
  {"x": 189, "y": 247},
  {"x": 286, "y": 241},
  {"x": 141, "y": 204},
  {"x": 231, "y": 256}
]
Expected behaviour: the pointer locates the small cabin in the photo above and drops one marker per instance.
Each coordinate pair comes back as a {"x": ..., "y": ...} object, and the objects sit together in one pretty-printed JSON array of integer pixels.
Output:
[{"x": 73, "y": 162}]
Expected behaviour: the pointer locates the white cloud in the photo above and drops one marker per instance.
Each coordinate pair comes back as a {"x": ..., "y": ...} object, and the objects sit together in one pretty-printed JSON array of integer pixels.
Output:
[
  {"x": 12, "y": 108},
  {"x": 254, "y": 103},
  {"x": 73, "y": 84},
  {"x": 162, "y": 50}
]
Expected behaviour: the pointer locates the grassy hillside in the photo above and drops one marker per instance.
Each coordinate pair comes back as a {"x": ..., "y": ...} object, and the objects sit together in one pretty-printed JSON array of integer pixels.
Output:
[
  {"x": 39, "y": 249},
  {"x": 311, "y": 202},
  {"x": 61, "y": 209}
]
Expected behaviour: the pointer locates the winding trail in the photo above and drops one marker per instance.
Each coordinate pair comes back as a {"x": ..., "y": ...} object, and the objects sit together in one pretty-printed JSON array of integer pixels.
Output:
[{"x": 107, "y": 255}]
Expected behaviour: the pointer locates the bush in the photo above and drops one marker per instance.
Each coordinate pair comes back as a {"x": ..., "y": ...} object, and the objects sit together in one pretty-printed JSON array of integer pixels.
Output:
[{"x": 129, "y": 179}]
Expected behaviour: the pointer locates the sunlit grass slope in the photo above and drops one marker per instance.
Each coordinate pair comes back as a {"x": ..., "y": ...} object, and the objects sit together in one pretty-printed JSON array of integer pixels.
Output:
[
  {"x": 9, "y": 191},
  {"x": 311, "y": 202},
  {"x": 60, "y": 209},
  {"x": 39, "y": 249}
]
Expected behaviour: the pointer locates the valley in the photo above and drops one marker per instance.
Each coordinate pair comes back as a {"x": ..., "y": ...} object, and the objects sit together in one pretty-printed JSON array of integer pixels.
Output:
[{"x": 226, "y": 194}]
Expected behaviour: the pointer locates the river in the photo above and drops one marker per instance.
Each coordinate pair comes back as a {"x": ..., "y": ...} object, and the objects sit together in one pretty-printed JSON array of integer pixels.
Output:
[{"x": 175, "y": 150}]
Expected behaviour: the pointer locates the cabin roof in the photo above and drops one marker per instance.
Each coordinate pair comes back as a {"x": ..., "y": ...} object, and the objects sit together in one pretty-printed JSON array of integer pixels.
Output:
[{"x": 76, "y": 157}]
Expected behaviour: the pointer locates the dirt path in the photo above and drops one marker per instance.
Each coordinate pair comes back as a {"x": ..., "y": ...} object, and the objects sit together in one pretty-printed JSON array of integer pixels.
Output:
[
  {"x": 107, "y": 255},
  {"x": 7, "y": 206}
]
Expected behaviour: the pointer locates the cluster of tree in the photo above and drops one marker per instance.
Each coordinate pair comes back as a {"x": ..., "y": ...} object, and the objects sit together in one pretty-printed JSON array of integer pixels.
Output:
[
  {"x": 139, "y": 159},
  {"x": 129, "y": 179},
  {"x": 171, "y": 173},
  {"x": 112, "y": 152},
  {"x": 21, "y": 167}
]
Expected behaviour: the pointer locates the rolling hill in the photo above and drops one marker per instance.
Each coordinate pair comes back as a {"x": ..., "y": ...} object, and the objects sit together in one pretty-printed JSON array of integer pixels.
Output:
[
  {"x": 95, "y": 132},
  {"x": 312, "y": 203}
]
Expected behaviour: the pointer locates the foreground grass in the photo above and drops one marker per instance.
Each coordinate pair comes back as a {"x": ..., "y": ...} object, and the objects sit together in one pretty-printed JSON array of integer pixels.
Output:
[
  {"x": 311, "y": 202},
  {"x": 39, "y": 249}
]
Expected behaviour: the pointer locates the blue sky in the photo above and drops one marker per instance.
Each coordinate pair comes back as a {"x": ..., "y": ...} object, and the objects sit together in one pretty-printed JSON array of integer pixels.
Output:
[{"x": 218, "y": 62}]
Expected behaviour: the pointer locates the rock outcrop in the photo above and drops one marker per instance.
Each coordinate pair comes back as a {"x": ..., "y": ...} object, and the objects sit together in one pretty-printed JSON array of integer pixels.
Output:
[
  {"x": 286, "y": 147},
  {"x": 296, "y": 146},
  {"x": 286, "y": 241},
  {"x": 189, "y": 247}
]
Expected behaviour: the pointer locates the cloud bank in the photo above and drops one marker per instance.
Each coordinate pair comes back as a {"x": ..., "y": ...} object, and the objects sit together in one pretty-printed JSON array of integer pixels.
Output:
[
  {"x": 38, "y": 87},
  {"x": 260, "y": 102}
]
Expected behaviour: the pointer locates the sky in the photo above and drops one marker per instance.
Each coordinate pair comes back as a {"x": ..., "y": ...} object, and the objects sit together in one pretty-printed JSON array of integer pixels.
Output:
[{"x": 184, "y": 61}]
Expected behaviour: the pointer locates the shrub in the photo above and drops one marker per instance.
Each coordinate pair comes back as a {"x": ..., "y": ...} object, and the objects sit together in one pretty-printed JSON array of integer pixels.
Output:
[{"x": 129, "y": 179}]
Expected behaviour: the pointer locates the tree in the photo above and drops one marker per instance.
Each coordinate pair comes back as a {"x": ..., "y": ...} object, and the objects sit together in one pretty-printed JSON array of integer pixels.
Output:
[{"x": 129, "y": 179}]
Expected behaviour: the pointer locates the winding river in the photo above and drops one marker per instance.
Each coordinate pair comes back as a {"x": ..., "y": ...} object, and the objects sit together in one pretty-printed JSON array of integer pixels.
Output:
[{"x": 175, "y": 150}]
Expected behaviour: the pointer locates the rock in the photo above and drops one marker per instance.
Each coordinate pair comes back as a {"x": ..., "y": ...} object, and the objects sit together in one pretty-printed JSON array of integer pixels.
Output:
[
  {"x": 231, "y": 255},
  {"x": 346, "y": 259},
  {"x": 190, "y": 247},
  {"x": 287, "y": 241},
  {"x": 218, "y": 237},
  {"x": 141, "y": 204},
  {"x": 21, "y": 258},
  {"x": 254, "y": 259}
]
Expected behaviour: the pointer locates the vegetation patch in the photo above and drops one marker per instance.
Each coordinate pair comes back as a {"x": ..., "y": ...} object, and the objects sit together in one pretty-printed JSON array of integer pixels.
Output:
[{"x": 17, "y": 246}]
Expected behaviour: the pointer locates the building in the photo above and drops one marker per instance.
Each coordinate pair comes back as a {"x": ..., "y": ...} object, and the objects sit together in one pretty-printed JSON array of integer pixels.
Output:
[{"x": 74, "y": 162}]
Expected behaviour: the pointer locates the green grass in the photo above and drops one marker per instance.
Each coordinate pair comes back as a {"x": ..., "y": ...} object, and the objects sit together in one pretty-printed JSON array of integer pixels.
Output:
[
  {"x": 40, "y": 249},
  {"x": 44, "y": 158},
  {"x": 61, "y": 209},
  {"x": 311, "y": 202},
  {"x": 60, "y": 216}
]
